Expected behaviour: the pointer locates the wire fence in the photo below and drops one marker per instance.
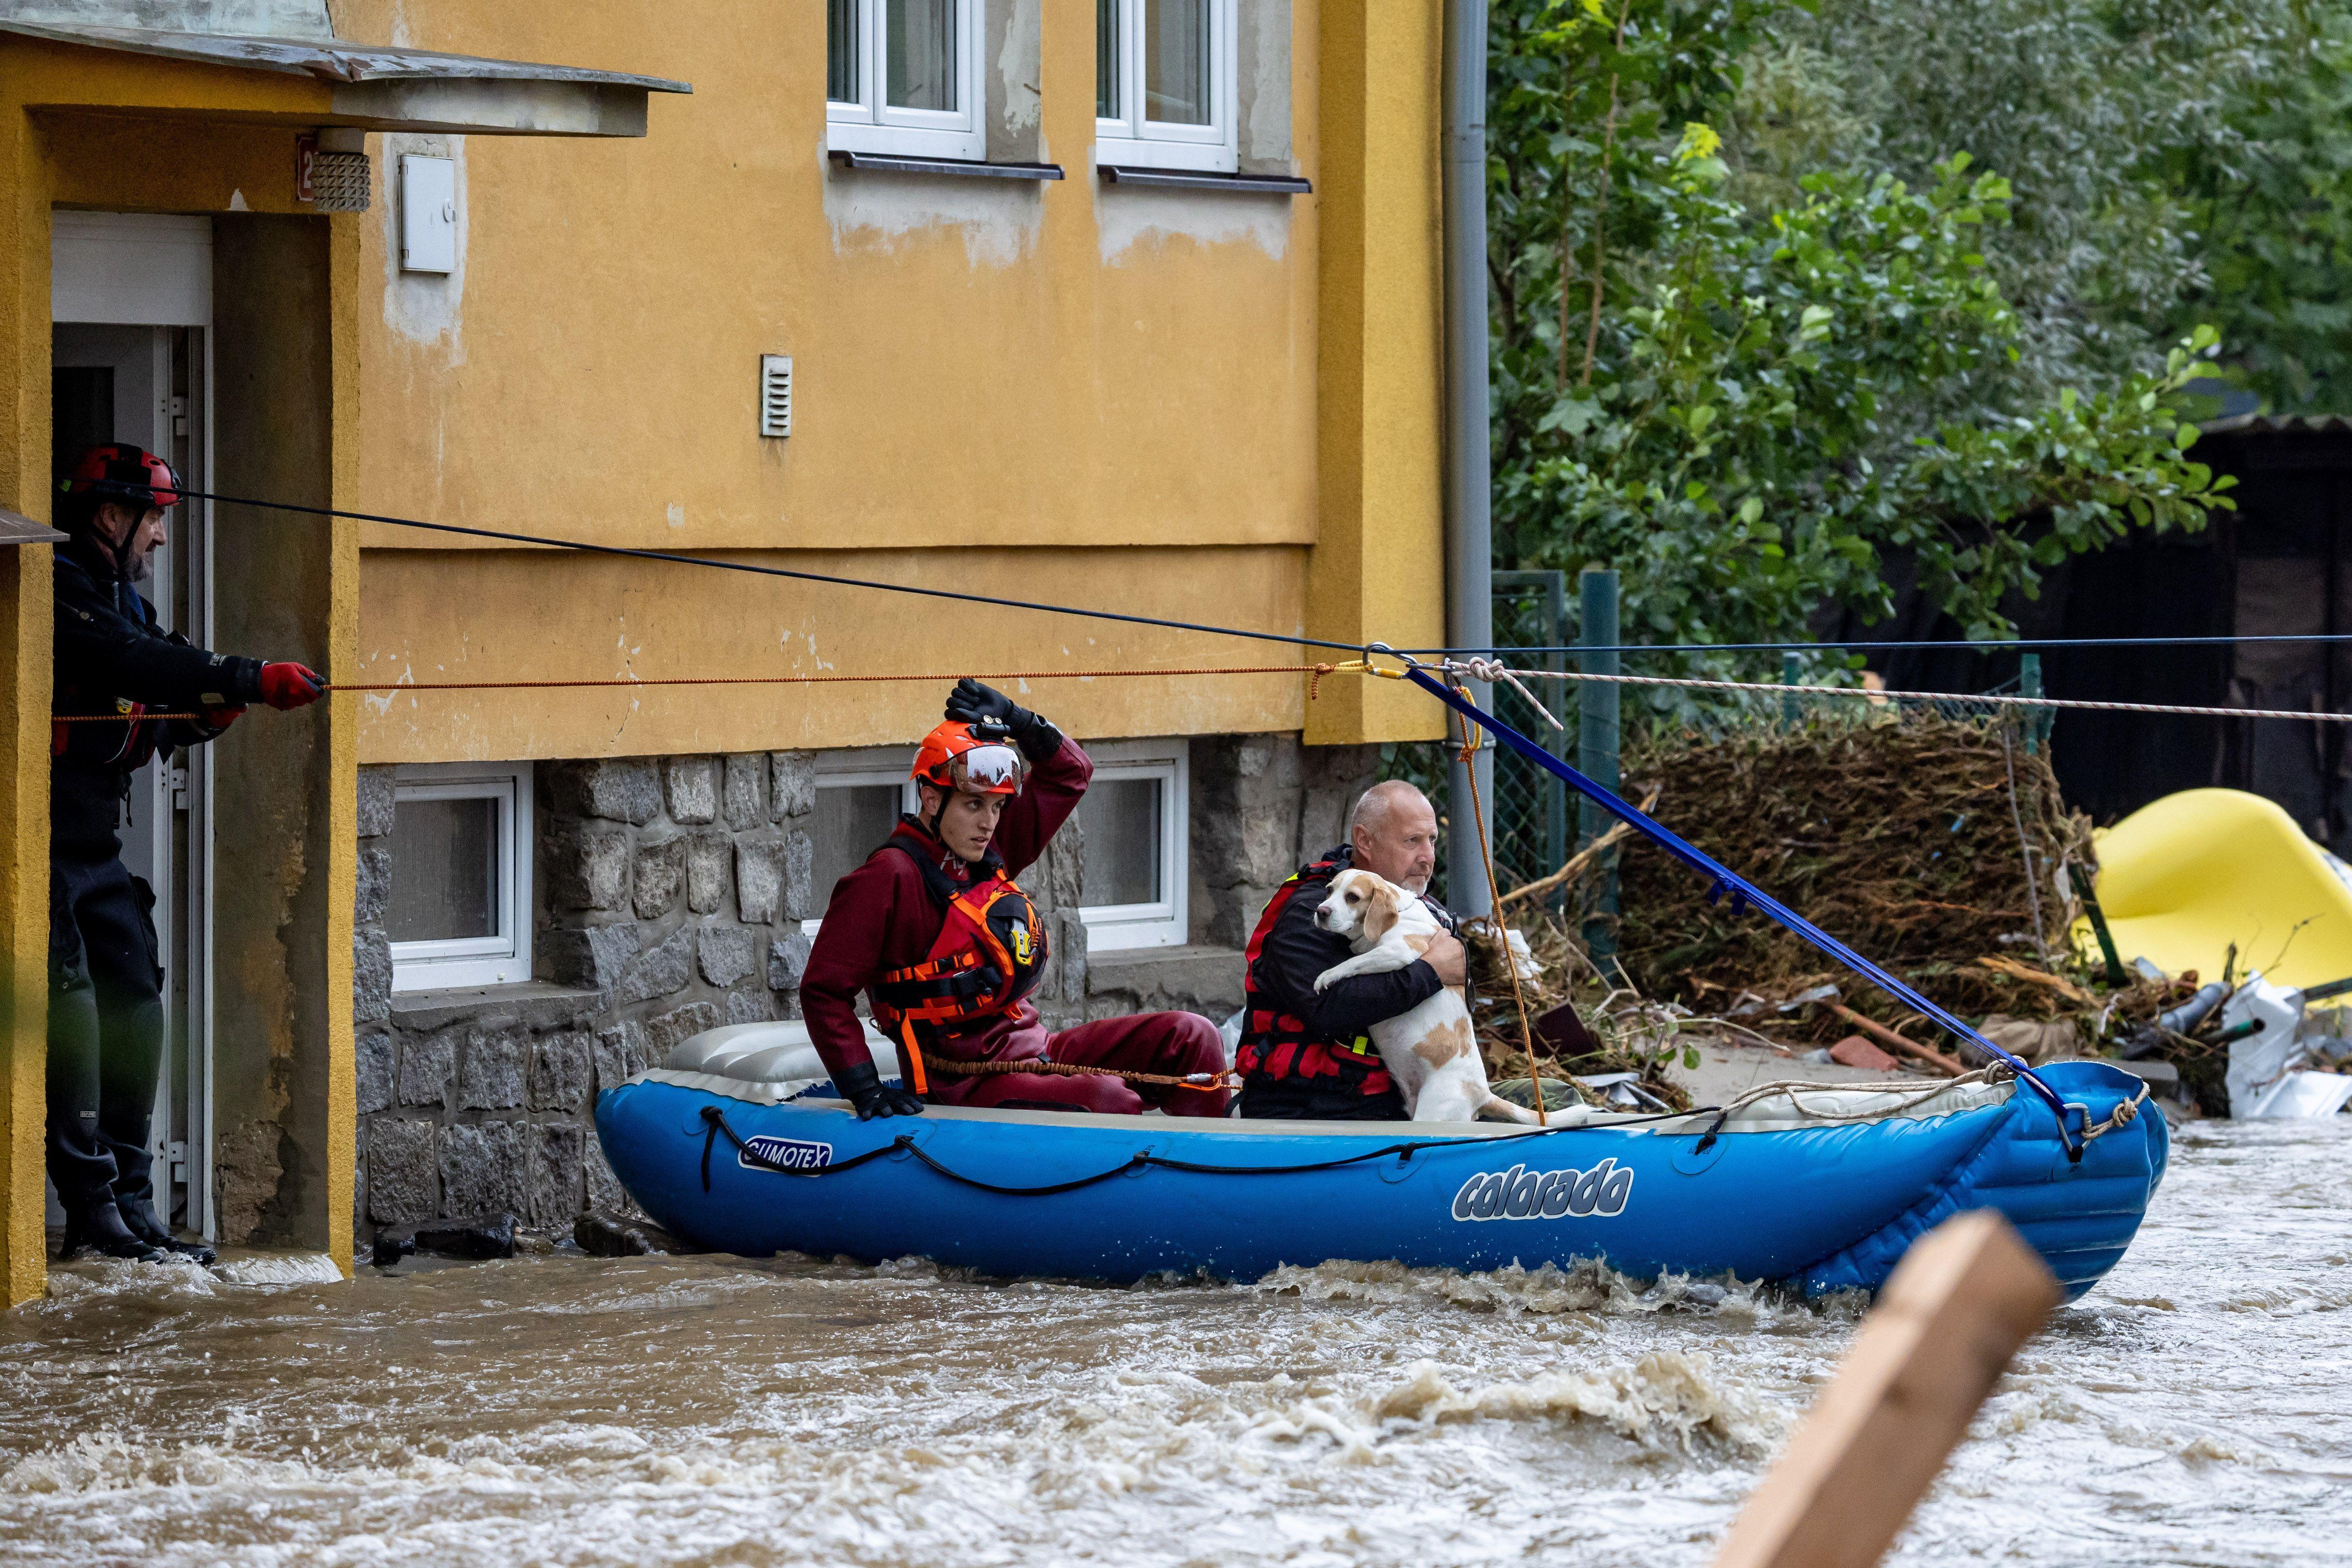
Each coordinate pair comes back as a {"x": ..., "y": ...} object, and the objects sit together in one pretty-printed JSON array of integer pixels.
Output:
[{"x": 1534, "y": 822}]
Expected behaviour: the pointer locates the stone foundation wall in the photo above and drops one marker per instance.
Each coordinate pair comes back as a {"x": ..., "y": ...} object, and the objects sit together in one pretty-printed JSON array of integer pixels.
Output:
[{"x": 1263, "y": 806}]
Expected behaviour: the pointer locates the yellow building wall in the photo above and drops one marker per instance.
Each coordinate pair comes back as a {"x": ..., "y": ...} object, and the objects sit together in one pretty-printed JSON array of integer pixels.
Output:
[
  {"x": 1060, "y": 392},
  {"x": 88, "y": 129},
  {"x": 602, "y": 617},
  {"x": 25, "y": 671},
  {"x": 1378, "y": 569}
]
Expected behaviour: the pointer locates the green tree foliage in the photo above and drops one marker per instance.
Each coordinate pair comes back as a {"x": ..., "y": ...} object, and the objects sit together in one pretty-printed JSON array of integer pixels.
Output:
[
  {"x": 1743, "y": 388},
  {"x": 2172, "y": 164}
]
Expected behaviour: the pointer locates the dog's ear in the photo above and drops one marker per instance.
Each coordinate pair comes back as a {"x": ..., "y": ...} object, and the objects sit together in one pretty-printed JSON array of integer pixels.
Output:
[{"x": 1380, "y": 908}]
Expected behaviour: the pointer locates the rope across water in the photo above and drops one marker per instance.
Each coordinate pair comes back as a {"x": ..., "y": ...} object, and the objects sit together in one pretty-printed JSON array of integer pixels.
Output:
[{"x": 1482, "y": 670}]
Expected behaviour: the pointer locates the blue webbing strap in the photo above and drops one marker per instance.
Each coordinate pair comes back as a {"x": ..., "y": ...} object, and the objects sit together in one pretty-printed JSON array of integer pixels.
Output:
[{"x": 1741, "y": 890}]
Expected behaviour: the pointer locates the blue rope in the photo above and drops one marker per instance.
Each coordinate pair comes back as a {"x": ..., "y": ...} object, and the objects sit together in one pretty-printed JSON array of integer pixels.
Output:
[
  {"x": 1293, "y": 639},
  {"x": 1741, "y": 891}
]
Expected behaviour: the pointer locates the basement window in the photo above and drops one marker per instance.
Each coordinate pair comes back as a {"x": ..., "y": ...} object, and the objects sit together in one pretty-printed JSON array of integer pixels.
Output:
[
  {"x": 902, "y": 76},
  {"x": 1165, "y": 87},
  {"x": 859, "y": 794},
  {"x": 459, "y": 910},
  {"x": 1137, "y": 831}
]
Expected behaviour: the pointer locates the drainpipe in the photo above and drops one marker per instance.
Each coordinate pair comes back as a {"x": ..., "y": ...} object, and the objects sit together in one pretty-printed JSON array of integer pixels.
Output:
[{"x": 1469, "y": 559}]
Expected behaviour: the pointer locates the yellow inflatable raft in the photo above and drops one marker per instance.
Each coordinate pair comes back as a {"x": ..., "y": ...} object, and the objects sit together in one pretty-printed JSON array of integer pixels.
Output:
[{"x": 2185, "y": 876}]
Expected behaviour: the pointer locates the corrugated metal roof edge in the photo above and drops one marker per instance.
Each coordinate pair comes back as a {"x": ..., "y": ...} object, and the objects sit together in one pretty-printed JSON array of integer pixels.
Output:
[
  {"x": 329, "y": 62},
  {"x": 2277, "y": 425}
]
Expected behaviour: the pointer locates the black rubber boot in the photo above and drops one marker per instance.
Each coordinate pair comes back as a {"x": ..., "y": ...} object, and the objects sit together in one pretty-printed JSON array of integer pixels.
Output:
[
  {"x": 139, "y": 1217},
  {"x": 100, "y": 1228}
]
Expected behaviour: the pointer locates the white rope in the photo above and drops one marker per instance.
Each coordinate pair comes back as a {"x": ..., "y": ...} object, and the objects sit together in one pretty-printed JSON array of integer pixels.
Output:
[
  {"x": 2124, "y": 1114},
  {"x": 1494, "y": 671},
  {"x": 1903, "y": 1099}
]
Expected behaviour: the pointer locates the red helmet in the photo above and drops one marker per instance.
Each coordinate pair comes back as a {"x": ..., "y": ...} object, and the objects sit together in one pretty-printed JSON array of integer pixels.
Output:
[
  {"x": 126, "y": 474},
  {"x": 955, "y": 755}
]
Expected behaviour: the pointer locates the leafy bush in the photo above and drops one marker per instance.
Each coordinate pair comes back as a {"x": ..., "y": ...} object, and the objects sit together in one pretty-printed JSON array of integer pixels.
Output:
[{"x": 1746, "y": 387}]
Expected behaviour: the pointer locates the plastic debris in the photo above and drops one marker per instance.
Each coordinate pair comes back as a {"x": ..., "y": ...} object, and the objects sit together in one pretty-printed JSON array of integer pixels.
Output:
[{"x": 2266, "y": 1078}]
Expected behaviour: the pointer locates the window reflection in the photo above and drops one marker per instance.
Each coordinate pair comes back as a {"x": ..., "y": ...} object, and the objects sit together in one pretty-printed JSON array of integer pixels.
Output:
[
  {"x": 851, "y": 822},
  {"x": 445, "y": 870},
  {"x": 920, "y": 43},
  {"x": 1121, "y": 821},
  {"x": 1176, "y": 61},
  {"x": 841, "y": 51}
]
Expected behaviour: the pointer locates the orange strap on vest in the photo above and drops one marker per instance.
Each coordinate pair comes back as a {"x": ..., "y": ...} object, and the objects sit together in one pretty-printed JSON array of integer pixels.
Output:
[
  {"x": 911, "y": 1059},
  {"x": 972, "y": 972}
]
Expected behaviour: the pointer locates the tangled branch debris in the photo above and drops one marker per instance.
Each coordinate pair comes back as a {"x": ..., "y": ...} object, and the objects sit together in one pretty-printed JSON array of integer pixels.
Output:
[
  {"x": 1914, "y": 841},
  {"x": 1899, "y": 838},
  {"x": 1938, "y": 846}
]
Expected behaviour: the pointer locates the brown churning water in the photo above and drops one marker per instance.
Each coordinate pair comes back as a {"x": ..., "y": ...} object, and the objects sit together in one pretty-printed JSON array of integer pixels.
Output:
[{"x": 646, "y": 1411}]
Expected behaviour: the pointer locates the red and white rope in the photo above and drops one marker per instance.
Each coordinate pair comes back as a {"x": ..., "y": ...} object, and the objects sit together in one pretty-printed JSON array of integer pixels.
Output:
[{"x": 1774, "y": 688}]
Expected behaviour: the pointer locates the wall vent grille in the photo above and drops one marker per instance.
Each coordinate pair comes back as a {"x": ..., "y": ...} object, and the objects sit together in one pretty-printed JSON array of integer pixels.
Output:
[
  {"x": 775, "y": 395},
  {"x": 339, "y": 182}
]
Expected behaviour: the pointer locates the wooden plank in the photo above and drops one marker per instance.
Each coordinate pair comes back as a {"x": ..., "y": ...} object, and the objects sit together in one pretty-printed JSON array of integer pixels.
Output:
[
  {"x": 1961, "y": 1301},
  {"x": 2033, "y": 976},
  {"x": 1909, "y": 1048}
]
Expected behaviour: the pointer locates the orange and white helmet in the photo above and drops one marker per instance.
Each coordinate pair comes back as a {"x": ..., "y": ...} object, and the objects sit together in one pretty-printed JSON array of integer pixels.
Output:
[{"x": 973, "y": 758}]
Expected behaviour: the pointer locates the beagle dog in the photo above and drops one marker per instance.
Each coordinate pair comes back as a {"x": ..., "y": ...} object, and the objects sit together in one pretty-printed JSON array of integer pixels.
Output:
[{"x": 1430, "y": 1051}]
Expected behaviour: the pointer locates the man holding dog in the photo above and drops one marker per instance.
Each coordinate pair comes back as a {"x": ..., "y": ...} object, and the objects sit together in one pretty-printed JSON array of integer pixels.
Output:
[
  {"x": 946, "y": 948},
  {"x": 1307, "y": 1054}
]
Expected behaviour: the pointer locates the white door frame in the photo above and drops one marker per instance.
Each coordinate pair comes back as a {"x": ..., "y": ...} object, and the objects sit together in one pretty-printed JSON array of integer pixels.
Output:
[{"x": 151, "y": 269}]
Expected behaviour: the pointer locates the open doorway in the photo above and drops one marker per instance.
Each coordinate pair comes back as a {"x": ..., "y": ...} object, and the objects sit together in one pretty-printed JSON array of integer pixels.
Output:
[{"x": 130, "y": 361}]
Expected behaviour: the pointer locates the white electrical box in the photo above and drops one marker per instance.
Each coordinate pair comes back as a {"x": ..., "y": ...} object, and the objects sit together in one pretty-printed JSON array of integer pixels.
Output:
[{"x": 428, "y": 214}]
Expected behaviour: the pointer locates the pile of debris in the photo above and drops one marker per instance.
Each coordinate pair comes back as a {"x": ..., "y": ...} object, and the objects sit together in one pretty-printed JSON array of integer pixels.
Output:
[
  {"x": 2238, "y": 1045},
  {"x": 1940, "y": 847},
  {"x": 1601, "y": 1044}
]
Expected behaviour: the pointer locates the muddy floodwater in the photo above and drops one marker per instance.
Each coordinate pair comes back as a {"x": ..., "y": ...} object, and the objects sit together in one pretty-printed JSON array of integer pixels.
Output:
[{"x": 2196, "y": 1408}]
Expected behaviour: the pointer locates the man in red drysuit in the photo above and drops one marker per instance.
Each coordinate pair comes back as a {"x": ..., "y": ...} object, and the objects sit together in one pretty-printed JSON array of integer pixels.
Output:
[{"x": 946, "y": 947}]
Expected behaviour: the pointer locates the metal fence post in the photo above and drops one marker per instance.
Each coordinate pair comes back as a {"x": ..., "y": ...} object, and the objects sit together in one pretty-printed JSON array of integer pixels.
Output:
[
  {"x": 1469, "y": 487},
  {"x": 2029, "y": 684},
  {"x": 1556, "y": 699},
  {"x": 1531, "y": 817},
  {"x": 1597, "y": 736}
]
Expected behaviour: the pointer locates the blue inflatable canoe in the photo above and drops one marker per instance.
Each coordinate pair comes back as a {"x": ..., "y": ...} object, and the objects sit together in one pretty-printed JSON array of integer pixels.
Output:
[{"x": 1820, "y": 1187}]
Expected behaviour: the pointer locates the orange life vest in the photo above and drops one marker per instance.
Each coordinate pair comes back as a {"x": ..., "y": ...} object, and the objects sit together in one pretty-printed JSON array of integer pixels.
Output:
[{"x": 988, "y": 955}]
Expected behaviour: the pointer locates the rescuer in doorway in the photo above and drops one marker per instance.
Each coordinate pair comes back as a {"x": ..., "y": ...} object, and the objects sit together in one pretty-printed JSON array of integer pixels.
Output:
[
  {"x": 947, "y": 949},
  {"x": 106, "y": 1004},
  {"x": 1305, "y": 1054}
]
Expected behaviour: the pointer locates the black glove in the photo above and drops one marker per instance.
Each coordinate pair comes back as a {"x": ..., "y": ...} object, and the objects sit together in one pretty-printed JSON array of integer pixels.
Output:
[
  {"x": 984, "y": 707},
  {"x": 862, "y": 1086}
]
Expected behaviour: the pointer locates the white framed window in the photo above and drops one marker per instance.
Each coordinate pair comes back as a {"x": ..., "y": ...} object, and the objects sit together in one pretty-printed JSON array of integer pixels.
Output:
[
  {"x": 903, "y": 77},
  {"x": 859, "y": 796},
  {"x": 460, "y": 910},
  {"x": 1165, "y": 85},
  {"x": 1138, "y": 830}
]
